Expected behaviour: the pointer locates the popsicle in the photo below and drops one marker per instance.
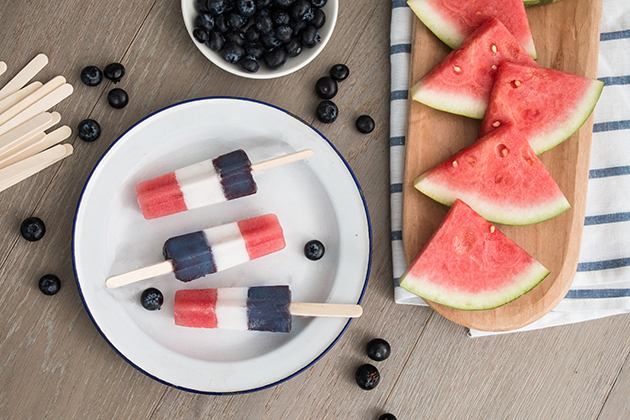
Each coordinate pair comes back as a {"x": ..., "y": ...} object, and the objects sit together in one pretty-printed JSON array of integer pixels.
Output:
[
  {"x": 211, "y": 250},
  {"x": 211, "y": 181},
  {"x": 257, "y": 308}
]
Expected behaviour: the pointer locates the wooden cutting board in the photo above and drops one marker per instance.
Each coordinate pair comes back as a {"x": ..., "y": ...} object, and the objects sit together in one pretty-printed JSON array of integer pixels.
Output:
[{"x": 566, "y": 35}]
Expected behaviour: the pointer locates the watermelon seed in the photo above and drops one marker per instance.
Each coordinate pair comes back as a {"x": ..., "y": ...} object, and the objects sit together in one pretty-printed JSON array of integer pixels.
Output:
[
  {"x": 503, "y": 150},
  {"x": 498, "y": 178},
  {"x": 494, "y": 48},
  {"x": 494, "y": 67},
  {"x": 457, "y": 69},
  {"x": 496, "y": 124},
  {"x": 454, "y": 164},
  {"x": 516, "y": 83},
  {"x": 492, "y": 228}
]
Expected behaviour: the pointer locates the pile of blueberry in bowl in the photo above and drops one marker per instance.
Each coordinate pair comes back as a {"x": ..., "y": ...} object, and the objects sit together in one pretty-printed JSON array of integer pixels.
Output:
[{"x": 260, "y": 39}]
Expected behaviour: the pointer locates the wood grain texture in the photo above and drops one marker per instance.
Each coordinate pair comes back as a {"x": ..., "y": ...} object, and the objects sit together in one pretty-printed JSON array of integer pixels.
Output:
[
  {"x": 566, "y": 36},
  {"x": 55, "y": 365}
]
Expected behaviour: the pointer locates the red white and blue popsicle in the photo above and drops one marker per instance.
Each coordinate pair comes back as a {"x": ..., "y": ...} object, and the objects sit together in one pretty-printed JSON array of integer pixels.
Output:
[
  {"x": 211, "y": 250},
  {"x": 258, "y": 308},
  {"x": 211, "y": 181}
]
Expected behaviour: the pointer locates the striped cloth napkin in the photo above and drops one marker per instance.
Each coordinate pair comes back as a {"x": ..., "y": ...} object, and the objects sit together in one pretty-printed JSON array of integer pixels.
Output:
[{"x": 601, "y": 286}]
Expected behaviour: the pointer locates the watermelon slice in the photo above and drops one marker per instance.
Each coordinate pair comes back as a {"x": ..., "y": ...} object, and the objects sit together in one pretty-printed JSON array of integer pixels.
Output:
[
  {"x": 547, "y": 105},
  {"x": 453, "y": 20},
  {"x": 469, "y": 264},
  {"x": 462, "y": 82},
  {"x": 500, "y": 177}
]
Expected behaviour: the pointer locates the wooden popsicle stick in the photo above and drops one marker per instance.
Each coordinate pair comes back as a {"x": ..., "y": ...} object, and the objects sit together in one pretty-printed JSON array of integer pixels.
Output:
[
  {"x": 7, "y": 158},
  {"x": 143, "y": 273},
  {"x": 16, "y": 97},
  {"x": 18, "y": 172},
  {"x": 47, "y": 102},
  {"x": 36, "y": 145},
  {"x": 11, "y": 140},
  {"x": 325, "y": 309},
  {"x": 32, "y": 98},
  {"x": 24, "y": 76},
  {"x": 282, "y": 160},
  {"x": 3, "y": 67}
]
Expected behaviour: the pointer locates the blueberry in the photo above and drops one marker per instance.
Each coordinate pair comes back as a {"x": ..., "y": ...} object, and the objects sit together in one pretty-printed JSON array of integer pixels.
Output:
[
  {"x": 263, "y": 4},
  {"x": 293, "y": 47},
  {"x": 365, "y": 124},
  {"x": 151, "y": 299},
  {"x": 91, "y": 75},
  {"x": 33, "y": 229},
  {"x": 326, "y": 87},
  {"x": 284, "y": 33},
  {"x": 276, "y": 58},
  {"x": 298, "y": 27},
  {"x": 387, "y": 416},
  {"x": 318, "y": 3},
  {"x": 201, "y": 7},
  {"x": 236, "y": 21},
  {"x": 264, "y": 25},
  {"x": 216, "y": 41},
  {"x": 204, "y": 21},
  {"x": 255, "y": 50},
  {"x": 237, "y": 37},
  {"x": 270, "y": 41},
  {"x": 280, "y": 17},
  {"x": 117, "y": 98},
  {"x": 310, "y": 37},
  {"x": 319, "y": 18},
  {"x": 301, "y": 10},
  {"x": 246, "y": 8},
  {"x": 201, "y": 35},
  {"x": 327, "y": 111},
  {"x": 89, "y": 130},
  {"x": 283, "y": 3},
  {"x": 114, "y": 72},
  {"x": 217, "y": 7},
  {"x": 220, "y": 23},
  {"x": 378, "y": 349},
  {"x": 339, "y": 72},
  {"x": 367, "y": 377},
  {"x": 314, "y": 250},
  {"x": 250, "y": 64},
  {"x": 252, "y": 34},
  {"x": 49, "y": 284},
  {"x": 232, "y": 52}
]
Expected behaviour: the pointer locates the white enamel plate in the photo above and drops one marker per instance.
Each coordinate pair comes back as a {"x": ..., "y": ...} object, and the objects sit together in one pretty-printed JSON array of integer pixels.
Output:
[{"x": 317, "y": 198}]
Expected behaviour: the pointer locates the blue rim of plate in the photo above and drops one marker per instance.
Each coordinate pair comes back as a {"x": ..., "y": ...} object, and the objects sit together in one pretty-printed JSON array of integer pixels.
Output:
[{"x": 311, "y": 363}]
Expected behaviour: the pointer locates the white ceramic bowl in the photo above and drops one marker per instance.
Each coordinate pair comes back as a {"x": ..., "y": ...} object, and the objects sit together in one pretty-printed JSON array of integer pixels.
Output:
[{"x": 331, "y": 9}]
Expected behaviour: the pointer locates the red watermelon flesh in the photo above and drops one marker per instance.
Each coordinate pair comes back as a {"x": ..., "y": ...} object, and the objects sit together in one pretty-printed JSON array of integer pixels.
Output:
[
  {"x": 462, "y": 82},
  {"x": 547, "y": 105},
  {"x": 500, "y": 177},
  {"x": 469, "y": 264},
  {"x": 453, "y": 20}
]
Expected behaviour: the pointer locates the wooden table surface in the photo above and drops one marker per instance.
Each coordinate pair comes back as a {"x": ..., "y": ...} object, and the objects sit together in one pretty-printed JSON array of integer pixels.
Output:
[{"x": 55, "y": 365}]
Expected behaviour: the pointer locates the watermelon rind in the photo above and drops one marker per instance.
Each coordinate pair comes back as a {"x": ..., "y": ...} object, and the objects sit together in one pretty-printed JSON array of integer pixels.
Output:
[
  {"x": 548, "y": 140},
  {"x": 517, "y": 216},
  {"x": 529, "y": 279},
  {"x": 453, "y": 102},
  {"x": 532, "y": 3}
]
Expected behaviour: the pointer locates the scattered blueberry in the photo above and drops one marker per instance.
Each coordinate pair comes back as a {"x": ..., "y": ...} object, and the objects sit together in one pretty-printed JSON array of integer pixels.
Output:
[
  {"x": 378, "y": 349},
  {"x": 387, "y": 416},
  {"x": 326, "y": 87},
  {"x": 49, "y": 284},
  {"x": 365, "y": 124},
  {"x": 327, "y": 111},
  {"x": 367, "y": 377},
  {"x": 117, "y": 98},
  {"x": 151, "y": 299},
  {"x": 89, "y": 130},
  {"x": 32, "y": 229},
  {"x": 314, "y": 250},
  {"x": 339, "y": 72},
  {"x": 114, "y": 72},
  {"x": 91, "y": 75}
]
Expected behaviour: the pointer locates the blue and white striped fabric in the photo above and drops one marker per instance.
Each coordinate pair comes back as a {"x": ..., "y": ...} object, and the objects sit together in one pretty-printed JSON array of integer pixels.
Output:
[{"x": 602, "y": 283}]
